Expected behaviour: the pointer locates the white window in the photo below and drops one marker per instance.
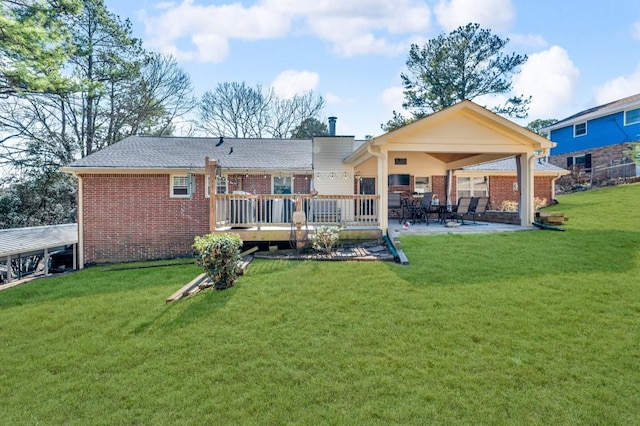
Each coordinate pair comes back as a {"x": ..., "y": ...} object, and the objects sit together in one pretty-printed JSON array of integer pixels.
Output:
[
  {"x": 422, "y": 184},
  {"x": 282, "y": 185},
  {"x": 221, "y": 185},
  {"x": 476, "y": 186},
  {"x": 632, "y": 117},
  {"x": 579, "y": 129},
  {"x": 180, "y": 186}
]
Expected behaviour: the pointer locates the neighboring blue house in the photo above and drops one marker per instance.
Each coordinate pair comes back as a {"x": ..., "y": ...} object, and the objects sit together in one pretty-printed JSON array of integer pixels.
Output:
[{"x": 597, "y": 142}]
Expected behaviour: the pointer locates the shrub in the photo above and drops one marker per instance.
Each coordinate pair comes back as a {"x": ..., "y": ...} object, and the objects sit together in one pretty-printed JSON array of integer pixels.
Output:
[
  {"x": 325, "y": 238},
  {"x": 219, "y": 255},
  {"x": 512, "y": 206},
  {"x": 509, "y": 206}
]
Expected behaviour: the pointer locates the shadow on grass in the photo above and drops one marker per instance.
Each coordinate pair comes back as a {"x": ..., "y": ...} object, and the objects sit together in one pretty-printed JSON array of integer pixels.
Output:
[
  {"x": 470, "y": 259},
  {"x": 189, "y": 310},
  {"x": 100, "y": 280}
]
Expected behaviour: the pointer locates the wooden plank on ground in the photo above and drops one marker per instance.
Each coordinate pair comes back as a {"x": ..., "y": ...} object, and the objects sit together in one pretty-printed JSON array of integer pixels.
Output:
[
  {"x": 248, "y": 252},
  {"x": 244, "y": 264},
  {"x": 187, "y": 289},
  {"x": 203, "y": 281}
]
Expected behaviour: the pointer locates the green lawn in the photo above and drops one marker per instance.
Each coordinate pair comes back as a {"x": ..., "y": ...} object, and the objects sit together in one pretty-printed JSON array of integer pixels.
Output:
[{"x": 536, "y": 327}]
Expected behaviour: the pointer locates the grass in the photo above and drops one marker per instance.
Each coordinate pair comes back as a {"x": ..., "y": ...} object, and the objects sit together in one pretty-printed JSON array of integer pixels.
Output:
[{"x": 536, "y": 327}]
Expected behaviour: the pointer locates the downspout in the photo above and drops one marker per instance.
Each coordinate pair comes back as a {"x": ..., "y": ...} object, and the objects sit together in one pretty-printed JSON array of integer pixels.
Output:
[
  {"x": 384, "y": 214},
  {"x": 80, "y": 222}
]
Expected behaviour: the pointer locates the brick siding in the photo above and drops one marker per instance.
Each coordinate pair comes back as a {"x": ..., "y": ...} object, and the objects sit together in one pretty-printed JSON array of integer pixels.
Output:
[{"x": 132, "y": 217}]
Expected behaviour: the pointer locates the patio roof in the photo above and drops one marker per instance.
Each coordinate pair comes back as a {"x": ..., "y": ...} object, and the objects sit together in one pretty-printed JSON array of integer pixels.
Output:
[{"x": 18, "y": 241}]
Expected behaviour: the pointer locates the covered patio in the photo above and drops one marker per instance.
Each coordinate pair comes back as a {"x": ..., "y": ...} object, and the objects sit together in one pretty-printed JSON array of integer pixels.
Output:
[{"x": 438, "y": 146}]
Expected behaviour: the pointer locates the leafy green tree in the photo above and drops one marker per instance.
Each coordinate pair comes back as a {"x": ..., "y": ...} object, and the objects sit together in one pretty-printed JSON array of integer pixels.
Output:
[
  {"x": 120, "y": 90},
  {"x": 463, "y": 65},
  {"x": 41, "y": 197},
  {"x": 34, "y": 45},
  {"x": 536, "y": 126},
  {"x": 309, "y": 128},
  {"x": 399, "y": 120}
]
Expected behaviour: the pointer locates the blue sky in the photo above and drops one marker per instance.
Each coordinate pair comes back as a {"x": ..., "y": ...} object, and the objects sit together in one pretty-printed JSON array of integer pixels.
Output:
[{"x": 352, "y": 52}]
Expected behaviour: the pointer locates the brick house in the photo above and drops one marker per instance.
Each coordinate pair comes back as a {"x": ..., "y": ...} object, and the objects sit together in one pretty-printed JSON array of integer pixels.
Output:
[{"x": 148, "y": 197}]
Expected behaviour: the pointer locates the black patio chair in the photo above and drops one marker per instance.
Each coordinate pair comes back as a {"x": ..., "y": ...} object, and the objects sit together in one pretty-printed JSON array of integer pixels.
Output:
[
  {"x": 426, "y": 207},
  {"x": 410, "y": 212},
  {"x": 394, "y": 205}
]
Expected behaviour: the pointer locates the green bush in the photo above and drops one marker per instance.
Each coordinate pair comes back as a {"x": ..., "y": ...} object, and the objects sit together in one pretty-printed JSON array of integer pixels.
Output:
[
  {"x": 219, "y": 255},
  {"x": 325, "y": 238}
]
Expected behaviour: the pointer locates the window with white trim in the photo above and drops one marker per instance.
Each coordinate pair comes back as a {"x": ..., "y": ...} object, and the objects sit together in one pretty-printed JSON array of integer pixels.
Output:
[
  {"x": 580, "y": 129},
  {"x": 282, "y": 185},
  {"x": 632, "y": 117},
  {"x": 180, "y": 186},
  {"x": 422, "y": 184},
  {"x": 580, "y": 162},
  {"x": 221, "y": 185},
  {"x": 474, "y": 186}
]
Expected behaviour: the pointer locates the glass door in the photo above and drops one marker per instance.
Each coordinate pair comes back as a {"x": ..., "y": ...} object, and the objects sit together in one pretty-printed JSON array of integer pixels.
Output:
[{"x": 367, "y": 186}]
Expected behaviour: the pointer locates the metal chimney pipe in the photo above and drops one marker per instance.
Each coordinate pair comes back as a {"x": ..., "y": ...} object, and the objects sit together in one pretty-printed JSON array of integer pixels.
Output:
[{"x": 332, "y": 126}]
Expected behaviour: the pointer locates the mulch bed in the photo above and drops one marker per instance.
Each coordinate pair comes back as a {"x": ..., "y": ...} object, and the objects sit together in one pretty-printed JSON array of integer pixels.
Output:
[{"x": 365, "y": 251}]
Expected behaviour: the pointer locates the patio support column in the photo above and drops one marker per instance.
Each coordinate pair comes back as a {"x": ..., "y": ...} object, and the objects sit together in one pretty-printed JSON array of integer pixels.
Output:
[
  {"x": 210, "y": 170},
  {"x": 525, "y": 179},
  {"x": 382, "y": 188}
]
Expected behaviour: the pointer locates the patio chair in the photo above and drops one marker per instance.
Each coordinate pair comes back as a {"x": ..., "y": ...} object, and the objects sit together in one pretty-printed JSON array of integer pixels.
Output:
[
  {"x": 464, "y": 203},
  {"x": 426, "y": 207},
  {"x": 410, "y": 212},
  {"x": 478, "y": 207},
  {"x": 394, "y": 205}
]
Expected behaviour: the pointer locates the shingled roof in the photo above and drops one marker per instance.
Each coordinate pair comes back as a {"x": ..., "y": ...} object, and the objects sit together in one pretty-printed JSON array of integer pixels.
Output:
[
  {"x": 509, "y": 165},
  {"x": 150, "y": 152},
  {"x": 598, "y": 111}
]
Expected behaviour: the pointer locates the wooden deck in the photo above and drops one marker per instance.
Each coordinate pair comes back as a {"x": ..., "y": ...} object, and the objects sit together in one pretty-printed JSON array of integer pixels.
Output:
[{"x": 269, "y": 217}]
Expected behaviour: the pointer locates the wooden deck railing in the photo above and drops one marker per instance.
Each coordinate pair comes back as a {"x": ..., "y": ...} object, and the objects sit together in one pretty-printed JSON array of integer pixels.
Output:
[{"x": 247, "y": 211}]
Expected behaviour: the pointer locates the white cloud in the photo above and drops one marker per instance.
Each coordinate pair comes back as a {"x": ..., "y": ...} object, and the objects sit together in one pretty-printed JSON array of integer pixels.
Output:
[
  {"x": 497, "y": 15},
  {"x": 290, "y": 83},
  {"x": 202, "y": 32},
  {"x": 209, "y": 28},
  {"x": 364, "y": 26},
  {"x": 333, "y": 99},
  {"x": 551, "y": 78},
  {"x": 528, "y": 40},
  {"x": 619, "y": 88},
  {"x": 392, "y": 98}
]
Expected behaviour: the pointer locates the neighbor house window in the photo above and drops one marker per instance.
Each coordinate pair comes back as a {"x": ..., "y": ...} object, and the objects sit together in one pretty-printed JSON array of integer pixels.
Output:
[
  {"x": 632, "y": 117},
  {"x": 475, "y": 186},
  {"x": 282, "y": 185},
  {"x": 180, "y": 186},
  {"x": 221, "y": 185},
  {"x": 579, "y": 161},
  {"x": 580, "y": 129}
]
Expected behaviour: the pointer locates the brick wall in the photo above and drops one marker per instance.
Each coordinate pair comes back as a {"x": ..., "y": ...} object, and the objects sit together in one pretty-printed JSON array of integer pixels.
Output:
[
  {"x": 601, "y": 161},
  {"x": 501, "y": 189},
  {"x": 132, "y": 217}
]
